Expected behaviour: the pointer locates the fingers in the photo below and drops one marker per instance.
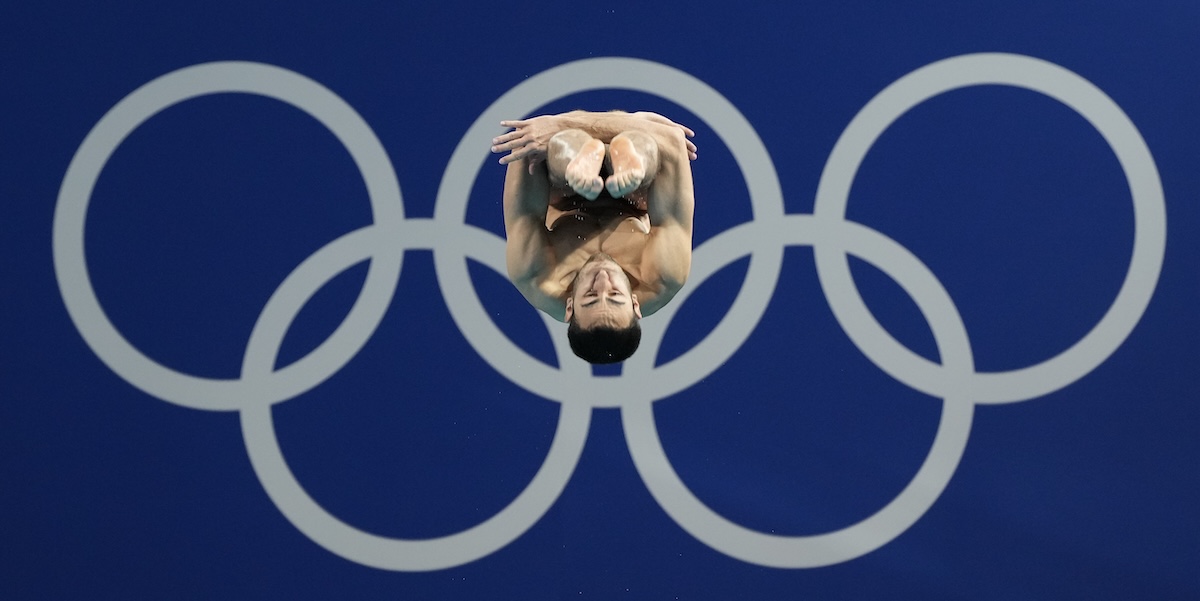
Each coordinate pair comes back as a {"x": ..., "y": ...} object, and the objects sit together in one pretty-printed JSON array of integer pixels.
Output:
[
  {"x": 528, "y": 152},
  {"x": 687, "y": 133},
  {"x": 514, "y": 141},
  {"x": 691, "y": 146},
  {"x": 512, "y": 135},
  {"x": 511, "y": 145},
  {"x": 509, "y": 140},
  {"x": 515, "y": 155}
]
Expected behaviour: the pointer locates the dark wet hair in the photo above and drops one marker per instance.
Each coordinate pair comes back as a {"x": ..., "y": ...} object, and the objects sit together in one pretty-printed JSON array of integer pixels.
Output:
[{"x": 603, "y": 344}]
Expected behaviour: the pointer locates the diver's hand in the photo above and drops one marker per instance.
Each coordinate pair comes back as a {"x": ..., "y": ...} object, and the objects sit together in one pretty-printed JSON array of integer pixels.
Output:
[
  {"x": 528, "y": 139},
  {"x": 687, "y": 132}
]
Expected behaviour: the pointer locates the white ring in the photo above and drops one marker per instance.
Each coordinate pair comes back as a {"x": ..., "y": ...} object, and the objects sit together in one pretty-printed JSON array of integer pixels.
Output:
[
  {"x": 1149, "y": 242},
  {"x": 894, "y": 518},
  {"x": 70, "y": 262},
  {"x": 302, "y": 510}
]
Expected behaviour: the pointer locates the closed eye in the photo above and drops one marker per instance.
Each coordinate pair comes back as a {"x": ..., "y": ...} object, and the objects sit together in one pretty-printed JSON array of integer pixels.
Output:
[{"x": 612, "y": 300}]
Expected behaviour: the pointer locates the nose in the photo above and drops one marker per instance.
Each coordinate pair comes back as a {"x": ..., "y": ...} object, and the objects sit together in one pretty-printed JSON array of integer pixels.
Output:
[{"x": 603, "y": 280}]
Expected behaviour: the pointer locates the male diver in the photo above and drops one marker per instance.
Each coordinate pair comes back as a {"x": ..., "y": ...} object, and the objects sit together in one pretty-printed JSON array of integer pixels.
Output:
[{"x": 598, "y": 215}]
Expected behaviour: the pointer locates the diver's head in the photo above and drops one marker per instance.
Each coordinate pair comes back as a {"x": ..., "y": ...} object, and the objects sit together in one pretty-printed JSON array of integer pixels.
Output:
[{"x": 603, "y": 312}]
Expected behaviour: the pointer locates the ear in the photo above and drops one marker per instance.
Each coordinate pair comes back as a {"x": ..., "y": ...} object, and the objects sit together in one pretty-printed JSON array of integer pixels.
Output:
[
  {"x": 570, "y": 310},
  {"x": 637, "y": 307}
]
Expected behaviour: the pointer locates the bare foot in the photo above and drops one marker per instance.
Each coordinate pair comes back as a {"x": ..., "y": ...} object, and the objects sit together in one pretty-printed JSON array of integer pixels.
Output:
[
  {"x": 628, "y": 165},
  {"x": 583, "y": 172}
]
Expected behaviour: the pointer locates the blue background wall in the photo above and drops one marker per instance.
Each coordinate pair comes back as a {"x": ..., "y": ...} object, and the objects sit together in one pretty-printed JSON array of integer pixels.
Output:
[{"x": 1013, "y": 201}]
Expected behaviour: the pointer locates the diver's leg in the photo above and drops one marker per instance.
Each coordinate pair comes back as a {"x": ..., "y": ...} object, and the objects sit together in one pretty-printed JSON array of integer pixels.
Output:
[
  {"x": 574, "y": 159},
  {"x": 634, "y": 157}
]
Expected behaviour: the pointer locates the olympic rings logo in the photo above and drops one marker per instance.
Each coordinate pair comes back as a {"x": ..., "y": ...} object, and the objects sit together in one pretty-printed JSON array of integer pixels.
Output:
[{"x": 833, "y": 239}]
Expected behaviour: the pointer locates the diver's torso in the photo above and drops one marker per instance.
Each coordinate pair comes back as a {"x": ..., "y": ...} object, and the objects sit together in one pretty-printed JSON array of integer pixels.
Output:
[{"x": 580, "y": 228}]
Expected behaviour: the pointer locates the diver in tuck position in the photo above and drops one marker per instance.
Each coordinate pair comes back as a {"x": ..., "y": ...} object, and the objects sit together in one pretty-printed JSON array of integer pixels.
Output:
[{"x": 598, "y": 215}]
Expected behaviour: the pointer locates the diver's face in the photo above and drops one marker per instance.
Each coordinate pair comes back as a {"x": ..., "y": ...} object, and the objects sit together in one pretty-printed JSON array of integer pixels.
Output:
[{"x": 602, "y": 296}]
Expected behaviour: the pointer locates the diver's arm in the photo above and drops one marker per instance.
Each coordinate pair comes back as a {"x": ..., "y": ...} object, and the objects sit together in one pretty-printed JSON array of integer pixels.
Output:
[{"x": 528, "y": 252}]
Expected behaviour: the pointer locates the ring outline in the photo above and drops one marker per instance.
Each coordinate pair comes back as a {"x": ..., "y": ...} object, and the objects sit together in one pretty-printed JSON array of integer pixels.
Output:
[
  {"x": 70, "y": 262},
  {"x": 1123, "y": 138}
]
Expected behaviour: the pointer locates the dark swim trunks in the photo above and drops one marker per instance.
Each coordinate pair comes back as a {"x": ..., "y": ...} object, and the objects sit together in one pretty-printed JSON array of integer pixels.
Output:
[{"x": 603, "y": 205}]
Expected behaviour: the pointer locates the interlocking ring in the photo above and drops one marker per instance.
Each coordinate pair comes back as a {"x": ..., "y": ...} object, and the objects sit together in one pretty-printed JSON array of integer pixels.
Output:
[{"x": 641, "y": 383}]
